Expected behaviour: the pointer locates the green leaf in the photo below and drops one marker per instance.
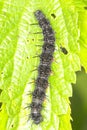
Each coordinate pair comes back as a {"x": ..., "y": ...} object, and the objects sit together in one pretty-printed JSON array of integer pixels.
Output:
[
  {"x": 17, "y": 50},
  {"x": 83, "y": 38}
]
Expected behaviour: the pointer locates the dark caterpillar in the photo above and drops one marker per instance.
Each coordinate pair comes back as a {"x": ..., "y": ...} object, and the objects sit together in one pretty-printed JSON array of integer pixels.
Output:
[{"x": 44, "y": 69}]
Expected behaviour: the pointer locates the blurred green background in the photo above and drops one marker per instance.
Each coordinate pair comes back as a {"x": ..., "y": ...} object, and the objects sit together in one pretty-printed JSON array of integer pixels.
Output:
[{"x": 79, "y": 102}]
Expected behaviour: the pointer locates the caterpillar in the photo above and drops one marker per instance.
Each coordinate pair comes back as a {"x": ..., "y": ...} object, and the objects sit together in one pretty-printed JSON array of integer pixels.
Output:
[{"x": 44, "y": 68}]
